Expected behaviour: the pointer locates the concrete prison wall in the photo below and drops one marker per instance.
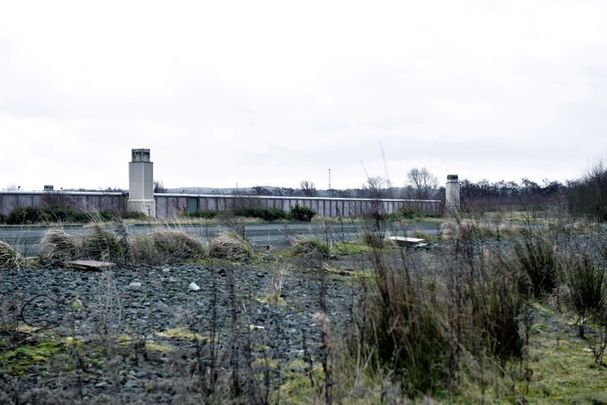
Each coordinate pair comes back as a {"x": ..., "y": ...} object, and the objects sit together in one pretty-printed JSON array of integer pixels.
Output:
[
  {"x": 85, "y": 201},
  {"x": 171, "y": 205}
]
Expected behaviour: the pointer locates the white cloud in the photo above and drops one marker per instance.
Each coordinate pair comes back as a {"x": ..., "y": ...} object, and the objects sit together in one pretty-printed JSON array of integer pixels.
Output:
[{"x": 273, "y": 92}]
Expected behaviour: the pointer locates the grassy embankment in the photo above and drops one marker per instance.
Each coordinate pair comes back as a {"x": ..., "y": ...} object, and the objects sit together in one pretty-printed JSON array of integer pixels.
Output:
[{"x": 495, "y": 312}]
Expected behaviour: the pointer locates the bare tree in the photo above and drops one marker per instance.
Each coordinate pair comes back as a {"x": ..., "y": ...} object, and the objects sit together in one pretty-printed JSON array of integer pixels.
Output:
[
  {"x": 376, "y": 187},
  {"x": 423, "y": 182},
  {"x": 260, "y": 190},
  {"x": 307, "y": 188},
  {"x": 159, "y": 187}
]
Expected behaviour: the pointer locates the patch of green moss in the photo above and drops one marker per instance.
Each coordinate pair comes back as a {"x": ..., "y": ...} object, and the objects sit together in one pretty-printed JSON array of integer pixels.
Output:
[
  {"x": 351, "y": 248},
  {"x": 273, "y": 299},
  {"x": 298, "y": 387},
  {"x": 158, "y": 347},
  {"x": 183, "y": 334},
  {"x": 19, "y": 360}
]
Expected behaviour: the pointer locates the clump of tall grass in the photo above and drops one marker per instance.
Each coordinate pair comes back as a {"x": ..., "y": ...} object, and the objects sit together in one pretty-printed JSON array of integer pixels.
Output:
[
  {"x": 537, "y": 259},
  {"x": 178, "y": 246},
  {"x": 56, "y": 247},
  {"x": 373, "y": 239},
  {"x": 405, "y": 332},
  {"x": 498, "y": 309},
  {"x": 309, "y": 247},
  {"x": 99, "y": 244},
  {"x": 230, "y": 246},
  {"x": 142, "y": 250},
  {"x": 426, "y": 322},
  {"x": 10, "y": 258},
  {"x": 585, "y": 280},
  {"x": 165, "y": 246},
  {"x": 466, "y": 230}
]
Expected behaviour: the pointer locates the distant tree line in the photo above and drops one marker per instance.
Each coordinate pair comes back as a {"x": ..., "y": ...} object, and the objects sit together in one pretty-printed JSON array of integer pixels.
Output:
[{"x": 510, "y": 194}]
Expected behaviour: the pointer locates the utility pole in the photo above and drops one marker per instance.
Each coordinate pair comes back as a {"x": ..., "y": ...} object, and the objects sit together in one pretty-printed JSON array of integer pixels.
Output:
[{"x": 329, "y": 179}]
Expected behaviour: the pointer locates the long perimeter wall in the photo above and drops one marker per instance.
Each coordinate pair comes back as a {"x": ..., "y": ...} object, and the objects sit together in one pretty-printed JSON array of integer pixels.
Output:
[{"x": 171, "y": 205}]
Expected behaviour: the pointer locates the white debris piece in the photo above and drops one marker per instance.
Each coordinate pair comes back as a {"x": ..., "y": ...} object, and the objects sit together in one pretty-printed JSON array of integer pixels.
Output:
[{"x": 193, "y": 287}]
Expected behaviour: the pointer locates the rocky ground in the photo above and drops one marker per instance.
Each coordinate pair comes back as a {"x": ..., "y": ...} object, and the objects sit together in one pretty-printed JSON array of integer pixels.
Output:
[{"x": 149, "y": 335}]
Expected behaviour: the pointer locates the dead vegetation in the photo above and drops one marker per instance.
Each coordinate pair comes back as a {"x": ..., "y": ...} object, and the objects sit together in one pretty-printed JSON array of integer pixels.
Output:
[
  {"x": 230, "y": 246},
  {"x": 457, "y": 324}
]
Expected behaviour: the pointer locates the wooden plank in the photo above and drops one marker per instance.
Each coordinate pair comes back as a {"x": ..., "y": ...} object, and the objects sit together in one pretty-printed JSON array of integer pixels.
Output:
[
  {"x": 89, "y": 265},
  {"x": 406, "y": 241}
]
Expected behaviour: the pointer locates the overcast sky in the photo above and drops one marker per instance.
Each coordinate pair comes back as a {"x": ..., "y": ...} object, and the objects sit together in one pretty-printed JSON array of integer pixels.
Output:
[{"x": 272, "y": 93}]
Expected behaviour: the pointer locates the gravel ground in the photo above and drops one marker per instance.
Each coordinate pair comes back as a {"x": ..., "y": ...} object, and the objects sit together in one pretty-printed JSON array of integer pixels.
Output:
[{"x": 115, "y": 318}]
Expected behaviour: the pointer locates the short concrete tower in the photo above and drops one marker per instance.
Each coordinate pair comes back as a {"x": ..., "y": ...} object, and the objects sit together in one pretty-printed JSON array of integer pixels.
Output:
[
  {"x": 452, "y": 194},
  {"x": 141, "y": 183}
]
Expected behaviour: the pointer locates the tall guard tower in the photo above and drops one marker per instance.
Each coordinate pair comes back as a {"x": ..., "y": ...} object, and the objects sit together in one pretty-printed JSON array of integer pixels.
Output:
[
  {"x": 452, "y": 194},
  {"x": 141, "y": 183}
]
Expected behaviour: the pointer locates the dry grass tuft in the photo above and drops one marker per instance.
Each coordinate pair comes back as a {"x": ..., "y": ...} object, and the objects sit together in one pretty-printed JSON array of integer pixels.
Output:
[
  {"x": 143, "y": 250},
  {"x": 57, "y": 247},
  {"x": 99, "y": 244},
  {"x": 165, "y": 246},
  {"x": 230, "y": 246},
  {"x": 309, "y": 247},
  {"x": 178, "y": 246},
  {"x": 9, "y": 257}
]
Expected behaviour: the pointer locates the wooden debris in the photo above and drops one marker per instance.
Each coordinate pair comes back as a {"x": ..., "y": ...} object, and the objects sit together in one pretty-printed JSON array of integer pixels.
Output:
[
  {"x": 407, "y": 241},
  {"x": 89, "y": 265}
]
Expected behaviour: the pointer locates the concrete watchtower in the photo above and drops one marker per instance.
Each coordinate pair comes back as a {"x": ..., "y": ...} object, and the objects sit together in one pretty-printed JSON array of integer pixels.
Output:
[
  {"x": 141, "y": 183},
  {"x": 452, "y": 194}
]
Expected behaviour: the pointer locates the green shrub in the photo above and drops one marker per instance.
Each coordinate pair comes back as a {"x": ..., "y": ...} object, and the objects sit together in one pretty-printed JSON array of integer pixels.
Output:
[
  {"x": 406, "y": 213},
  {"x": 267, "y": 214},
  {"x": 135, "y": 215},
  {"x": 33, "y": 215},
  {"x": 109, "y": 216},
  {"x": 27, "y": 215},
  {"x": 207, "y": 214},
  {"x": 302, "y": 213},
  {"x": 2, "y": 219},
  {"x": 66, "y": 214}
]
